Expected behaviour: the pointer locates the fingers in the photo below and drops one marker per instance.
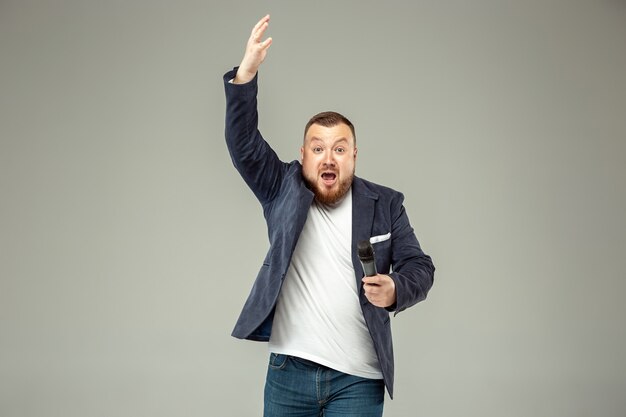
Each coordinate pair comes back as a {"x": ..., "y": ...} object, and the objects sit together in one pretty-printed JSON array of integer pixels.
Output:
[
  {"x": 256, "y": 51},
  {"x": 379, "y": 290},
  {"x": 257, "y": 34},
  {"x": 259, "y": 28},
  {"x": 373, "y": 280},
  {"x": 375, "y": 297},
  {"x": 263, "y": 20},
  {"x": 266, "y": 43},
  {"x": 372, "y": 290}
]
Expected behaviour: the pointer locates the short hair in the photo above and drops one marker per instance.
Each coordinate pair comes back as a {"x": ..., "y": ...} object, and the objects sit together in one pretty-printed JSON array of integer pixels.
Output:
[{"x": 330, "y": 119}]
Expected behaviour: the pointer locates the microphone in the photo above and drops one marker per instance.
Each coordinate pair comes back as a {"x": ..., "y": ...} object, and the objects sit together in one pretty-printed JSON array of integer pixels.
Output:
[{"x": 366, "y": 256}]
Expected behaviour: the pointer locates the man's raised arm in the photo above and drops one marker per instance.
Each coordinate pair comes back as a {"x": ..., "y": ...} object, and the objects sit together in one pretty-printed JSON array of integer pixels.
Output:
[
  {"x": 253, "y": 157},
  {"x": 256, "y": 50}
]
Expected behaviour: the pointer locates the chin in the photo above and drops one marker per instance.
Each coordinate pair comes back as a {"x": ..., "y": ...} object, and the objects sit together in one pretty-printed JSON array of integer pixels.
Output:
[{"x": 332, "y": 195}]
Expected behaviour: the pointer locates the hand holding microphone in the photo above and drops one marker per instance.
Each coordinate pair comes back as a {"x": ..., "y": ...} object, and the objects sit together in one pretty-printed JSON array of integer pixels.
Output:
[{"x": 380, "y": 290}]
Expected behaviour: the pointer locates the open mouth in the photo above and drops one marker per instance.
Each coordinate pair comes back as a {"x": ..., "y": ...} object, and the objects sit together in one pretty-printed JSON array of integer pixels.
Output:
[{"x": 329, "y": 178}]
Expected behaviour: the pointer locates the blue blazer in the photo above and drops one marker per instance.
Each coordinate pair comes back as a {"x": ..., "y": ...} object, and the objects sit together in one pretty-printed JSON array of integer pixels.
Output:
[{"x": 285, "y": 198}]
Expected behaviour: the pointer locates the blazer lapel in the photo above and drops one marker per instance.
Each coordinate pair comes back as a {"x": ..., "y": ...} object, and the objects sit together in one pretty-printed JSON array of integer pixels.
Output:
[{"x": 363, "y": 205}]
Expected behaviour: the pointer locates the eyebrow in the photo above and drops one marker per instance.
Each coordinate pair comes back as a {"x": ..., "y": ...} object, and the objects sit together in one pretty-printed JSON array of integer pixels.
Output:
[{"x": 342, "y": 139}]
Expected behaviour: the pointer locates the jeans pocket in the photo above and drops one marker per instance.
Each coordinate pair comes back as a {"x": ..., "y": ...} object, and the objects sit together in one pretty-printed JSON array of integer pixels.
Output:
[{"x": 277, "y": 361}]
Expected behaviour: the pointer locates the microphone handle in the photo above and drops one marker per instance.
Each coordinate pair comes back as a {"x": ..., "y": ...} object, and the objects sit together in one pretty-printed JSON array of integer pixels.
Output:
[{"x": 369, "y": 268}]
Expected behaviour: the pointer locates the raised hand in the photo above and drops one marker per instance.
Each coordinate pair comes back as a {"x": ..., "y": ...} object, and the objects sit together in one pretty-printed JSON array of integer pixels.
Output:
[{"x": 256, "y": 50}]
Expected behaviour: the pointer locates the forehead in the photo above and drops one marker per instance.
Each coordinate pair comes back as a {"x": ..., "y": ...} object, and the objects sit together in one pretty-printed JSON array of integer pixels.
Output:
[{"x": 330, "y": 134}]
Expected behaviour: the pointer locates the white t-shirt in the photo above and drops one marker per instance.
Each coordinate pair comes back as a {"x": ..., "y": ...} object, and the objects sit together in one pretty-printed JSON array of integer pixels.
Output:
[{"x": 318, "y": 315}]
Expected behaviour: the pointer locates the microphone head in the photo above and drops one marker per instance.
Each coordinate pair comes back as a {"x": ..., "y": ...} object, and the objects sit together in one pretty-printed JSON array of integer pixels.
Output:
[{"x": 365, "y": 249}]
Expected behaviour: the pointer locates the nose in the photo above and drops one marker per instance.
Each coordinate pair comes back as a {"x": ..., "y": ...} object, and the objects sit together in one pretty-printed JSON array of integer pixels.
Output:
[{"x": 329, "y": 160}]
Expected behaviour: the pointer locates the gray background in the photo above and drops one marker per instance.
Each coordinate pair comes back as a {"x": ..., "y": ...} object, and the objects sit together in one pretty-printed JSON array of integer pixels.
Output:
[{"x": 128, "y": 242}]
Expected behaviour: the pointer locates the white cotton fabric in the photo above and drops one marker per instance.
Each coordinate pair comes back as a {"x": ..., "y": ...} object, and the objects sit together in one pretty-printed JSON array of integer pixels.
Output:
[{"x": 318, "y": 315}]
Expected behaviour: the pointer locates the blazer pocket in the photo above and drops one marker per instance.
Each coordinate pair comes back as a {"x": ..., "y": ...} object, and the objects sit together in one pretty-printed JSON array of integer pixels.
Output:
[{"x": 380, "y": 238}]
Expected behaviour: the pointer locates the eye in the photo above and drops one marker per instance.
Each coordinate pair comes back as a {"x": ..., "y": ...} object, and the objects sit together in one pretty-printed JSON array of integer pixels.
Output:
[
  {"x": 317, "y": 149},
  {"x": 340, "y": 150}
]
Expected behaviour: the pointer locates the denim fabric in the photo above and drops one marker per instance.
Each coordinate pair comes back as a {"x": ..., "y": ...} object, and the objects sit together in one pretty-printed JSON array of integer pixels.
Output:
[{"x": 297, "y": 387}]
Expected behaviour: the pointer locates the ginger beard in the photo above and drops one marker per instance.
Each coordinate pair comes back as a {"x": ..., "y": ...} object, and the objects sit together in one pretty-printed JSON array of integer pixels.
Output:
[
  {"x": 328, "y": 161},
  {"x": 329, "y": 194}
]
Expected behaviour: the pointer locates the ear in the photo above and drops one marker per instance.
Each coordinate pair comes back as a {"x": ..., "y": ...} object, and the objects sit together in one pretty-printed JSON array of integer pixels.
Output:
[
  {"x": 356, "y": 150},
  {"x": 301, "y": 154}
]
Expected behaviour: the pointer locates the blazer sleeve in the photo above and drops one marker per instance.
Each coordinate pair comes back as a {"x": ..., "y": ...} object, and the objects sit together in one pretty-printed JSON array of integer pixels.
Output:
[
  {"x": 413, "y": 270},
  {"x": 252, "y": 156}
]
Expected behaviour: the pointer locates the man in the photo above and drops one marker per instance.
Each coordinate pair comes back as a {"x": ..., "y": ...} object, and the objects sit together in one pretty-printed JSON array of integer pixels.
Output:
[{"x": 327, "y": 325}]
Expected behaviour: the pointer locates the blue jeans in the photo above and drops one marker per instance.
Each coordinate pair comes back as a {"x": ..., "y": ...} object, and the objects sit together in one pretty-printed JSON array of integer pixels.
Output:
[{"x": 297, "y": 387}]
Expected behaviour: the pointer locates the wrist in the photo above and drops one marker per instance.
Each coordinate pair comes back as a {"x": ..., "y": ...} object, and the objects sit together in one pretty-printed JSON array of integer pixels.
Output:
[{"x": 244, "y": 76}]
